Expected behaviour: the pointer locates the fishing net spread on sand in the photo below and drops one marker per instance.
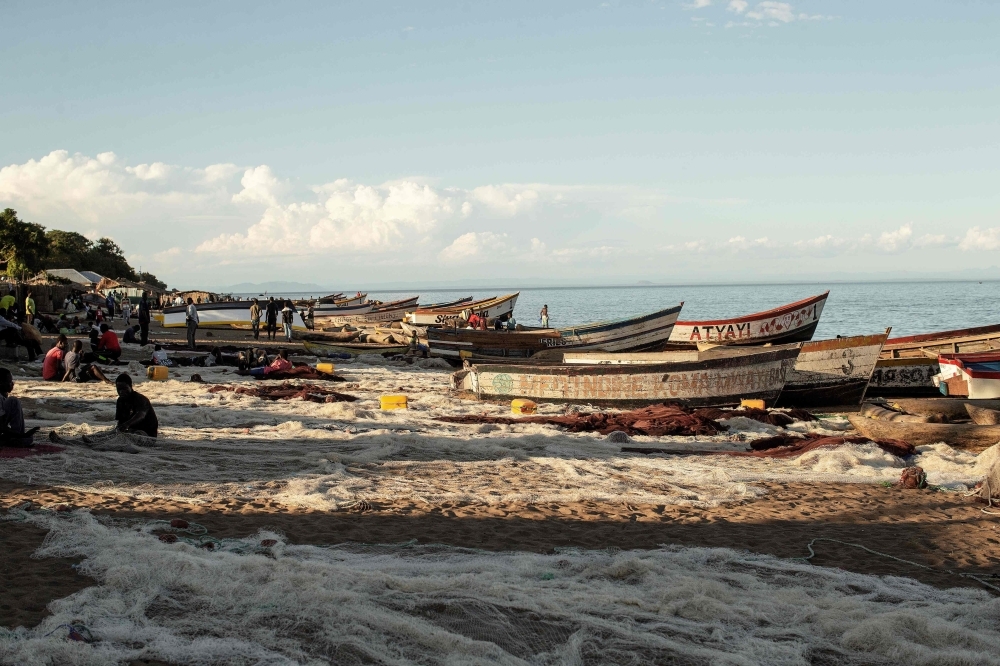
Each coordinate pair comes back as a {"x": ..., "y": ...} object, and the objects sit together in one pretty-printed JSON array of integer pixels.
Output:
[
  {"x": 286, "y": 391},
  {"x": 244, "y": 602},
  {"x": 108, "y": 440}
]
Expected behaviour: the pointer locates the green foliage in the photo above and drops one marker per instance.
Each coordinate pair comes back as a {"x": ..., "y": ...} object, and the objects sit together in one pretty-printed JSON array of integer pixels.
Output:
[
  {"x": 150, "y": 279},
  {"x": 29, "y": 249},
  {"x": 22, "y": 244}
]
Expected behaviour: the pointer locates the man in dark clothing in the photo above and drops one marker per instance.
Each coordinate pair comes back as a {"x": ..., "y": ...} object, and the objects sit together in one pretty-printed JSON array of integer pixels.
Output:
[
  {"x": 130, "y": 334},
  {"x": 12, "y": 432},
  {"x": 133, "y": 411},
  {"x": 143, "y": 316},
  {"x": 272, "y": 319}
]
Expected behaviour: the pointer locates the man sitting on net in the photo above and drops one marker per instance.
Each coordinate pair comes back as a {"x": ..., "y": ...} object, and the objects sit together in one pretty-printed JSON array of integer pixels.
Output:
[
  {"x": 133, "y": 411},
  {"x": 12, "y": 432},
  {"x": 77, "y": 370},
  {"x": 108, "y": 345}
]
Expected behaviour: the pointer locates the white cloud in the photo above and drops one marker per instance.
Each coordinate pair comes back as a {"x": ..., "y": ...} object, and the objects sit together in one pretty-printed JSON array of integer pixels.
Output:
[
  {"x": 774, "y": 11},
  {"x": 895, "y": 241},
  {"x": 698, "y": 4},
  {"x": 259, "y": 186},
  {"x": 738, "y": 6},
  {"x": 506, "y": 199},
  {"x": 981, "y": 239}
]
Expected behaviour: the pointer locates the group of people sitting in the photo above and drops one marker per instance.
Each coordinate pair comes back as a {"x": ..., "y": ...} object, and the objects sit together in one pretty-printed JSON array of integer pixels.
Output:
[{"x": 134, "y": 412}]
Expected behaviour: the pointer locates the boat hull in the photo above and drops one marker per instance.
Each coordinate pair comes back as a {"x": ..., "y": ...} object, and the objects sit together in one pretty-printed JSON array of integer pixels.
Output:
[
  {"x": 220, "y": 315},
  {"x": 636, "y": 334},
  {"x": 974, "y": 376},
  {"x": 904, "y": 378},
  {"x": 795, "y": 322},
  {"x": 378, "y": 316},
  {"x": 715, "y": 382},
  {"x": 490, "y": 308},
  {"x": 832, "y": 372}
]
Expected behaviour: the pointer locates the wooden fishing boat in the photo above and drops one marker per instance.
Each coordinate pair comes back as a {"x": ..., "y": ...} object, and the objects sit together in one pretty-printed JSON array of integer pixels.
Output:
[
  {"x": 649, "y": 331},
  {"x": 369, "y": 313},
  {"x": 348, "y": 349},
  {"x": 826, "y": 372},
  {"x": 491, "y": 308},
  {"x": 726, "y": 378},
  {"x": 966, "y": 436},
  {"x": 975, "y": 376},
  {"x": 228, "y": 314},
  {"x": 908, "y": 364},
  {"x": 795, "y": 322},
  {"x": 343, "y": 301}
]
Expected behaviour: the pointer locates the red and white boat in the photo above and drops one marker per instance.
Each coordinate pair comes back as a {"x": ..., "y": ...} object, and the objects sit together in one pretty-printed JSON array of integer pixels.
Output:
[
  {"x": 973, "y": 376},
  {"x": 795, "y": 322},
  {"x": 490, "y": 308}
]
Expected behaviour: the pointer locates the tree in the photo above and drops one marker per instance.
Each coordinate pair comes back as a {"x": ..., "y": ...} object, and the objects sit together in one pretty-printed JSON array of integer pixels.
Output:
[
  {"x": 107, "y": 258},
  {"x": 150, "y": 279},
  {"x": 68, "y": 249},
  {"x": 22, "y": 244}
]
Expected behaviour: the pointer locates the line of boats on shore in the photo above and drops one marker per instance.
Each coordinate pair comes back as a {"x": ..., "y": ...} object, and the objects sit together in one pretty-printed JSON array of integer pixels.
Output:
[{"x": 656, "y": 357}]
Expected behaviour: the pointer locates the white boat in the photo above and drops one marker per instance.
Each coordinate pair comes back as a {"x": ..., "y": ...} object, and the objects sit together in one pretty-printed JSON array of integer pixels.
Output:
[
  {"x": 491, "y": 308},
  {"x": 389, "y": 312},
  {"x": 973, "y": 376},
  {"x": 226, "y": 314}
]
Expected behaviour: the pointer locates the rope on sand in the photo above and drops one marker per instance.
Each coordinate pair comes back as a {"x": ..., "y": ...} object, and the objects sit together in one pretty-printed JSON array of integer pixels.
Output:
[{"x": 978, "y": 579}]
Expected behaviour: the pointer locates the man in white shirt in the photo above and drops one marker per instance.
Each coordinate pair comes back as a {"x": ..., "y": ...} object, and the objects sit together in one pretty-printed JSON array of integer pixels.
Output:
[{"x": 191, "y": 316}]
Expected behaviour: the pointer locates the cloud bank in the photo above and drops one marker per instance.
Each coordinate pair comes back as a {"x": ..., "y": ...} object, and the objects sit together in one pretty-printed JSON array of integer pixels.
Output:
[{"x": 224, "y": 223}]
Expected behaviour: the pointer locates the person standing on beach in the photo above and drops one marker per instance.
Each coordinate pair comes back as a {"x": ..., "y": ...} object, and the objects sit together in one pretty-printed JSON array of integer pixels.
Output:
[
  {"x": 287, "y": 317},
  {"x": 543, "y": 316},
  {"x": 272, "y": 319},
  {"x": 255, "y": 312},
  {"x": 29, "y": 308},
  {"x": 127, "y": 311},
  {"x": 191, "y": 317},
  {"x": 143, "y": 317},
  {"x": 110, "y": 302}
]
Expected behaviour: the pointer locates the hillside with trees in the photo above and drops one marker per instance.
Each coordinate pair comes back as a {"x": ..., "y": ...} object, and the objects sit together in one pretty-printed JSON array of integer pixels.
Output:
[{"x": 29, "y": 249}]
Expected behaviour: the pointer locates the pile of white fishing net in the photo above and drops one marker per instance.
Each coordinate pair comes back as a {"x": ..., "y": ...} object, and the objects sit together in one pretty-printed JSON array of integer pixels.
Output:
[{"x": 244, "y": 603}]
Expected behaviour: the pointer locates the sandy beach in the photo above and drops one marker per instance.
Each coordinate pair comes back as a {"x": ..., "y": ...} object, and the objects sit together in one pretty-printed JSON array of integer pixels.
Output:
[{"x": 262, "y": 480}]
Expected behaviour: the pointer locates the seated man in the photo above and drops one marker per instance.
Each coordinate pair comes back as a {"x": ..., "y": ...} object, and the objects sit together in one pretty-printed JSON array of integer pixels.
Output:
[
  {"x": 160, "y": 357},
  {"x": 280, "y": 363},
  {"x": 52, "y": 367},
  {"x": 131, "y": 335},
  {"x": 12, "y": 432},
  {"x": 108, "y": 345},
  {"x": 77, "y": 370},
  {"x": 133, "y": 410}
]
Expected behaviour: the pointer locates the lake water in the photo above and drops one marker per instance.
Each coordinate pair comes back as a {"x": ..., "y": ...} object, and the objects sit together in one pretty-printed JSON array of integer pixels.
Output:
[{"x": 852, "y": 309}]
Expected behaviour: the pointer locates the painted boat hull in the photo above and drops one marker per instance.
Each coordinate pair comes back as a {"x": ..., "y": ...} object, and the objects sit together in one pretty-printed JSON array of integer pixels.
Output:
[
  {"x": 220, "y": 315},
  {"x": 376, "y": 316},
  {"x": 714, "y": 382},
  {"x": 491, "y": 308},
  {"x": 795, "y": 322},
  {"x": 951, "y": 408},
  {"x": 328, "y": 350},
  {"x": 965, "y": 436},
  {"x": 904, "y": 378},
  {"x": 826, "y": 372},
  {"x": 635, "y": 334},
  {"x": 965, "y": 340},
  {"x": 978, "y": 375}
]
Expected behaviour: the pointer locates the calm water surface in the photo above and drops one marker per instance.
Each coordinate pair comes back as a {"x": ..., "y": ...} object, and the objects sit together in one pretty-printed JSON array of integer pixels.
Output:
[{"x": 852, "y": 309}]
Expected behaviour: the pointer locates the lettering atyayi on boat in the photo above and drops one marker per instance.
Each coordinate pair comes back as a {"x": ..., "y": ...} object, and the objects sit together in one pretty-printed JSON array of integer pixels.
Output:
[{"x": 788, "y": 323}]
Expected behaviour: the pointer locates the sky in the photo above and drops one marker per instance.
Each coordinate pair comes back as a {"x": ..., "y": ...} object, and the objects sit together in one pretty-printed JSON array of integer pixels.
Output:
[{"x": 585, "y": 142}]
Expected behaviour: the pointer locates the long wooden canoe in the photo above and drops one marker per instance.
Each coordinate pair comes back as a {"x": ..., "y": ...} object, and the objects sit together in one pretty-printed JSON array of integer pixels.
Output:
[
  {"x": 725, "y": 379},
  {"x": 649, "y": 331},
  {"x": 370, "y": 314},
  {"x": 950, "y": 408},
  {"x": 826, "y": 372},
  {"x": 795, "y": 322},
  {"x": 966, "y": 436},
  {"x": 228, "y": 314},
  {"x": 908, "y": 364},
  {"x": 491, "y": 308},
  {"x": 346, "y": 349}
]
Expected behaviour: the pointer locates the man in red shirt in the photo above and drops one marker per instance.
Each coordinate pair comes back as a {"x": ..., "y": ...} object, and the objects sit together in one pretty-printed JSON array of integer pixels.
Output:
[
  {"x": 108, "y": 345},
  {"x": 52, "y": 366}
]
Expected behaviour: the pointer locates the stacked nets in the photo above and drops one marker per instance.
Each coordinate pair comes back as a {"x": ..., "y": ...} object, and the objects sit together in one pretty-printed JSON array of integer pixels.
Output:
[{"x": 108, "y": 440}]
